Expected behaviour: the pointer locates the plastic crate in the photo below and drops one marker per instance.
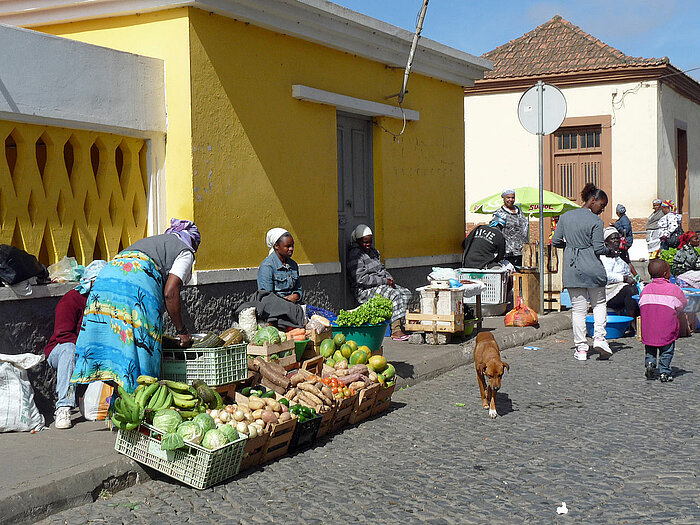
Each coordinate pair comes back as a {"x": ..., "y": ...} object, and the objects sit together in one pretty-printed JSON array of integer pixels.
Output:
[
  {"x": 193, "y": 465},
  {"x": 305, "y": 433},
  {"x": 496, "y": 281},
  {"x": 214, "y": 366}
]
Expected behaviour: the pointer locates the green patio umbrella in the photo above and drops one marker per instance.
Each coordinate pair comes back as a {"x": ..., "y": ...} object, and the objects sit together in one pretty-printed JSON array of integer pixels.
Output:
[{"x": 528, "y": 199}]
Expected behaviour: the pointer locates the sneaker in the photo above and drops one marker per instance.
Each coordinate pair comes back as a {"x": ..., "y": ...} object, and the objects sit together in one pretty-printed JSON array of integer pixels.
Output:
[
  {"x": 602, "y": 346},
  {"x": 399, "y": 336},
  {"x": 665, "y": 378},
  {"x": 62, "y": 417},
  {"x": 650, "y": 370},
  {"x": 581, "y": 355}
]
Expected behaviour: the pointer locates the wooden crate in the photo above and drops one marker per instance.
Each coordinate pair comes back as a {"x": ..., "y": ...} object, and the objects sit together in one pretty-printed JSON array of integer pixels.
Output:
[
  {"x": 344, "y": 408},
  {"x": 526, "y": 284},
  {"x": 314, "y": 365},
  {"x": 253, "y": 452},
  {"x": 383, "y": 400},
  {"x": 267, "y": 350},
  {"x": 415, "y": 323},
  {"x": 280, "y": 434},
  {"x": 326, "y": 422},
  {"x": 365, "y": 401}
]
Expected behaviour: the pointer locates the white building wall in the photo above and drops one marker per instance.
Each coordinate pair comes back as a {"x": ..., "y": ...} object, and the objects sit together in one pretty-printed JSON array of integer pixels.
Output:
[
  {"x": 499, "y": 153},
  {"x": 678, "y": 111}
]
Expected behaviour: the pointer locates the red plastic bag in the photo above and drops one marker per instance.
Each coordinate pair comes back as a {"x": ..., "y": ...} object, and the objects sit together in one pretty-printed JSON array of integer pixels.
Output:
[{"x": 521, "y": 315}]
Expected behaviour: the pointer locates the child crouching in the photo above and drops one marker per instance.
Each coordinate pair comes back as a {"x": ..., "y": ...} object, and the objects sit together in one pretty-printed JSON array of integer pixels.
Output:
[{"x": 660, "y": 303}]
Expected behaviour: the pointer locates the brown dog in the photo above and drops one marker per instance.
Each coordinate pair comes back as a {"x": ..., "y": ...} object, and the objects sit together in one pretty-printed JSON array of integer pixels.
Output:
[{"x": 488, "y": 364}]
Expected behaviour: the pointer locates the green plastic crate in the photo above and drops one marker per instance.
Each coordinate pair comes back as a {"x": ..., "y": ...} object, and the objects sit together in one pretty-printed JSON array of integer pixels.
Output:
[
  {"x": 214, "y": 366},
  {"x": 193, "y": 465}
]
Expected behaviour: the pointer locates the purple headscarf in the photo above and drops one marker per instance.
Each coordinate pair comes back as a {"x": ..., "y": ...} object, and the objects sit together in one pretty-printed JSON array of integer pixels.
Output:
[{"x": 186, "y": 231}]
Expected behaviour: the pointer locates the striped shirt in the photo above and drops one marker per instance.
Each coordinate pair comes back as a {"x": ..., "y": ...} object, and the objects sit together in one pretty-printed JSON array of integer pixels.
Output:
[{"x": 660, "y": 303}]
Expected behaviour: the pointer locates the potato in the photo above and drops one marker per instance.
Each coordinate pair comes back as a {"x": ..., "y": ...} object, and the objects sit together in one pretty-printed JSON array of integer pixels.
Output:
[
  {"x": 268, "y": 416},
  {"x": 255, "y": 403},
  {"x": 257, "y": 414},
  {"x": 270, "y": 401},
  {"x": 286, "y": 416},
  {"x": 276, "y": 407}
]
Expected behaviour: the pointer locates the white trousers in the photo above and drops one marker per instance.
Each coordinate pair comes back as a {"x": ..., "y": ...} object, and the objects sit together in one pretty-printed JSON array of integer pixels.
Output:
[{"x": 579, "y": 309}]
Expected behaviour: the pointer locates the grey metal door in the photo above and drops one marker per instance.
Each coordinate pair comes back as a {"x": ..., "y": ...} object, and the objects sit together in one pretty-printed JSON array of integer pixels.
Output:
[{"x": 355, "y": 184}]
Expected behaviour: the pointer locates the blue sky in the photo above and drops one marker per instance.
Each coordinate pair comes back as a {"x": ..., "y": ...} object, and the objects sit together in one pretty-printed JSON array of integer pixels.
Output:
[{"x": 647, "y": 28}]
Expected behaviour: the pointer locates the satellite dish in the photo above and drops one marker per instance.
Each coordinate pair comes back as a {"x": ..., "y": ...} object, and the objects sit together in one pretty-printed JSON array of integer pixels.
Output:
[{"x": 553, "y": 109}]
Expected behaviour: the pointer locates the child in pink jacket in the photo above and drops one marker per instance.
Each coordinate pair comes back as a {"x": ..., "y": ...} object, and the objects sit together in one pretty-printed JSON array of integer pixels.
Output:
[{"x": 660, "y": 303}]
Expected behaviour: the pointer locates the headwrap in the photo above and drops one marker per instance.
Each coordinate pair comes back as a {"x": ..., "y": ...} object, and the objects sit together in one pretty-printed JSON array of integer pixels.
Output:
[
  {"x": 92, "y": 270},
  {"x": 607, "y": 232},
  {"x": 186, "y": 231},
  {"x": 620, "y": 209},
  {"x": 669, "y": 204},
  {"x": 683, "y": 240},
  {"x": 272, "y": 236},
  {"x": 507, "y": 191},
  {"x": 361, "y": 230},
  {"x": 656, "y": 201}
]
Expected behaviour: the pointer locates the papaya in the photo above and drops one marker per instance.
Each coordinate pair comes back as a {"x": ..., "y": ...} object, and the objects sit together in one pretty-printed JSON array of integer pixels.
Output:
[
  {"x": 366, "y": 350},
  {"x": 352, "y": 344},
  {"x": 378, "y": 363},
  {"x": 327, "y": 348},
  {"x": 339, "y": 340},
  {"x": 338, "y": 356},
  {"x": 346, "y": 350},
  {"x": 358, "y": 357},
  {"x": 330, "y": 362}
]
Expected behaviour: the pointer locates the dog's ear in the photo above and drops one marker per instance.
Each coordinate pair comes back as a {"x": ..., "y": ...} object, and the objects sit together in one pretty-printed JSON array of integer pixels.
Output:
[{"x": 506, "y": 365}]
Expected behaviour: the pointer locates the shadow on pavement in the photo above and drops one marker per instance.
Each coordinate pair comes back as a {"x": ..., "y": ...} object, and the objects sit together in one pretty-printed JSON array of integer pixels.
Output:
[
  {"x": 677, "y": 372},
  {"x": 504, "y": 405},
  {"x": 403, "y": 369}
]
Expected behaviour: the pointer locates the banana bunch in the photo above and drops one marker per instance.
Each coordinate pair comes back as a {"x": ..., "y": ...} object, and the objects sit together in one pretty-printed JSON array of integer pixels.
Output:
[
  {"x": 156, "y": 395},
  {"x": 127, "y": 412}
]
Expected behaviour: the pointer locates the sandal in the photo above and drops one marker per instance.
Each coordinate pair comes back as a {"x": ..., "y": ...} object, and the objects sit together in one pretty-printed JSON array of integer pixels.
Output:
[{"x": 399, "y": 336}]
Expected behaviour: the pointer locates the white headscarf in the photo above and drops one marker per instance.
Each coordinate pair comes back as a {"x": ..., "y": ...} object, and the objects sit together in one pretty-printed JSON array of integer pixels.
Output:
[
  {"x": 273, "y": 236},
  {"x": 607, "y": 232},
  {"x": 361, "y": 230}
]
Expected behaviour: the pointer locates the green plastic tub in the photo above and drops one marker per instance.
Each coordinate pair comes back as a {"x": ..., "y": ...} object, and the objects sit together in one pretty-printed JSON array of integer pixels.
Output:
[
  {"x": 469, "y": 325},
  {"x": 371, "y": 336},
  {"x": 299, "y": 348}
]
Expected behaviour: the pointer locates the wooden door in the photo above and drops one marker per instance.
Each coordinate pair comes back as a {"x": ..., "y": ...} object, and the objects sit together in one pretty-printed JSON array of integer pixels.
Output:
[
  {"x": 682, "y": 197},
  {"x": 355, "y": 184}
]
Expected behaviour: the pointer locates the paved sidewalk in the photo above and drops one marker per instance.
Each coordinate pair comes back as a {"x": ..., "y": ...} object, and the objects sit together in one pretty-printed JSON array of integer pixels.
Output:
[{"x": 53, "y": 470}]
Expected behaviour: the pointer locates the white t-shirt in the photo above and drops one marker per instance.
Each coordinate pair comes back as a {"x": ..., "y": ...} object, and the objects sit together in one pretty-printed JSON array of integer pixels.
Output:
[{"x": 182, "y": 267}]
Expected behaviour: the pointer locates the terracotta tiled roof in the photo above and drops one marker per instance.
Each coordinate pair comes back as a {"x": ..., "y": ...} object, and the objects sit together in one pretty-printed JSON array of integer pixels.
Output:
[{"x": 558, "y": 46}]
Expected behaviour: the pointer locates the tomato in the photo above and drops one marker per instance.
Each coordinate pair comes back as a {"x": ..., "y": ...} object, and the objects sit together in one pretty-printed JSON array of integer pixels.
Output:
[
  {"x": 334, "y": 389},
  {"x": 334, "y": 381},
  {"x": 352, "y": 392},
  {"x": 346, "y": 392}
]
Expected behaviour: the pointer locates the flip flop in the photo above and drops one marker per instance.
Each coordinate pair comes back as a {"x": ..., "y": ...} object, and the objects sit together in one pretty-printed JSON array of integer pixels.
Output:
[{"x": 403, "y": 337}]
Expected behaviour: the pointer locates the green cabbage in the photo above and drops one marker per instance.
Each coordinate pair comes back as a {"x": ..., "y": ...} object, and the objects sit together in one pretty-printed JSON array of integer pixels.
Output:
[
  {"x": 167, "y": 420},
  {"x": 214, "y": 439},
  {"x": 269, "y": 334},
  {"x": 190, "y": 432},
  {"x": 205, "y": 422},
  {"x": 229, "y": 431},
  {"x": 171, "y": 441}
]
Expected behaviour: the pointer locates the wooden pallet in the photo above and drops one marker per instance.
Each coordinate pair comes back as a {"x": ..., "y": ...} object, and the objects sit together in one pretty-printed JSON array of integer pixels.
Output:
[{"x": 415, "y": 323}]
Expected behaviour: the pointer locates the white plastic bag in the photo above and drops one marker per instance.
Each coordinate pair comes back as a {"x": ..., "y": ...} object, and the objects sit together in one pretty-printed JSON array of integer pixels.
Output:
[
  {"x": 94, "y": 404},
  {"x": 67, "y": 269},
  {"x": 248, "y": 321},
  {"x": 443, "y": 274},
  {"x": 18, "y": 412}
]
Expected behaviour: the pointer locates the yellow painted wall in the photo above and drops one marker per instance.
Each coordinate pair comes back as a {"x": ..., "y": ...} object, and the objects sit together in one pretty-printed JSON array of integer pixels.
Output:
[
  {"x": 163, "y": 35},
  {"x": 249, "y": 157},
  {"x": 263, "y": 159}
]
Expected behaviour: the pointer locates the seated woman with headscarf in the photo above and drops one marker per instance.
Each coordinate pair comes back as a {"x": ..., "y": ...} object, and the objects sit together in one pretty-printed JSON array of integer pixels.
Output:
[
  {"x": 279, "y": 290},
  {"x": 122, "y": 329},
  {"x": 686, "y": 262},
  {"x": 621, "y": 284},
  {"x": 368, "y": 277}
]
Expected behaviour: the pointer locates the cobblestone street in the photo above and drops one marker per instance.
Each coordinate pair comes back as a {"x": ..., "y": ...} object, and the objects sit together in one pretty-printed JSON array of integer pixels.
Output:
[{"x": 596, "y": 435}]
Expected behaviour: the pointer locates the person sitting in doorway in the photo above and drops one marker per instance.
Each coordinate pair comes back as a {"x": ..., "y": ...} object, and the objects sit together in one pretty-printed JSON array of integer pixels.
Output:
[
  {"x": 485, "y": 246},
  {"x": 516, "y": 229},
  {"x": 278, "y": 298},
  {"x": 368, "y": 277},
  {"x": 621, "y": 284},
  {"x": 60, "y": 350}
]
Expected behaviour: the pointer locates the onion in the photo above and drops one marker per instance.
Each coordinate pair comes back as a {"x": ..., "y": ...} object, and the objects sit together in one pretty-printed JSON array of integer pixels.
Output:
[
  {"x": 230, "y": 409},
  {"x": 239, "y": 415},
  {"x": 252, "y": 431},
  {"x": 260, "y": 422},
  {"x": 242, "y": 427},
  {"x": 224, "y": 416},
  {"x": 218, "y": 421},
  {"x": 249, "y": 417},
  {"x": 214, "y": 414}
]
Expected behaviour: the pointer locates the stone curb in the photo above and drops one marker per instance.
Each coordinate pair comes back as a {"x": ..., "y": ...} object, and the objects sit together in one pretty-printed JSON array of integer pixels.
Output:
[{"x": 434, "y": 366}]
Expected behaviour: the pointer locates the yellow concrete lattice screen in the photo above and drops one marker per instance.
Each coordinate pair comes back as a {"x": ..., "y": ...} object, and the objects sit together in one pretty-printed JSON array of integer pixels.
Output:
[{"x": 71, "y": 192}]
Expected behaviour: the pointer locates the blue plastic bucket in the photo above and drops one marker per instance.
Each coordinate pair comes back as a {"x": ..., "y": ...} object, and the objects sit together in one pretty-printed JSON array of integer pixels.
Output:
[
  {"x": 616, "y": 325},
  {"x": 371, "y": 336}
]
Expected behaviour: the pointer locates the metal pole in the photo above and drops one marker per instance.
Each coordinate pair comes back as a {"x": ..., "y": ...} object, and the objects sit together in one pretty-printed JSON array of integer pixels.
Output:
[
  {"x": 540, "y": 141},
  {"x": 414, "y": 44}
]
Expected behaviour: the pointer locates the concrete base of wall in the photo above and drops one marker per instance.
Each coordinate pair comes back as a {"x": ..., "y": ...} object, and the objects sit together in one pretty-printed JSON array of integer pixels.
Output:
[{"x": 27, "y": 324}]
